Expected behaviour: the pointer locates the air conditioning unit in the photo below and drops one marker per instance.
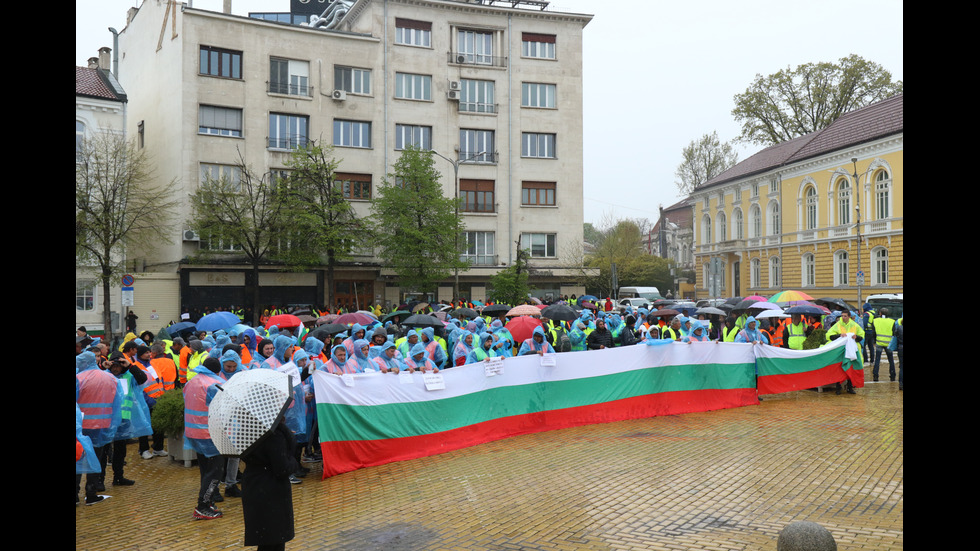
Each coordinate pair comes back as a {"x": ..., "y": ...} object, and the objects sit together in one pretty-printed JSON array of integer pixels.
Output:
[
  {"x": 460, "y": 58},
  {"x": 191, "y": 235},
  {"x": 453, "y": 95},
  {"x": 454, "y": 85},
  {"x": 340, "y": 95}
]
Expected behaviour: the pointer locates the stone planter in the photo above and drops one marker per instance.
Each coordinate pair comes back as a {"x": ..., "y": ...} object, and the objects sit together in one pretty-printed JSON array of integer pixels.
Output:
[{"x": 175, "y": 447}]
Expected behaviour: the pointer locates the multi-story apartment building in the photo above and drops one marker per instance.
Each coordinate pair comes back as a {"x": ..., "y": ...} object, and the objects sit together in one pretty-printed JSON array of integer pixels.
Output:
[
  {"x": 495, "y": 87},
  {"x": 822, "y": 213},
  {"x": 100, "y": 107}
]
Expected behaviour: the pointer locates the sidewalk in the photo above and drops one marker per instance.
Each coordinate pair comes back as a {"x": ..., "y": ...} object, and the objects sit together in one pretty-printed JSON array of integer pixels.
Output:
[{"x": 720, "y": 480}]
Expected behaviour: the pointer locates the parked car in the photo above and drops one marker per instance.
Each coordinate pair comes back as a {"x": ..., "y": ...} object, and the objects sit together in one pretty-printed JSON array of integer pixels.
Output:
[{"x": 635, "y": 303}]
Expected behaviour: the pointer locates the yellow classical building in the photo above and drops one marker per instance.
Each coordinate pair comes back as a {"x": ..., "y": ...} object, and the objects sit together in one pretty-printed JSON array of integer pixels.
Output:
[{"x": 822, "y": 213}]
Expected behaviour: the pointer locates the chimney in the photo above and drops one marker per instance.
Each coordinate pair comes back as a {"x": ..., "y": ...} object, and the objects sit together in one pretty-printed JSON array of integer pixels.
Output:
[
  {"x": 104, "y": 58},
  {"x": 227, "y": 7}
]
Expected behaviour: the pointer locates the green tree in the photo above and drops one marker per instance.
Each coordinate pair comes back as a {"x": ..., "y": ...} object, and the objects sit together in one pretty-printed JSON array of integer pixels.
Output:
[
  {"x": 323, "y": 217},
  {"x": 417, "y": 227},
  {"x": 118, "y": 209},
  {"x": 622, "y": 245},
  {"x": 703, "y": 159},
  {"x": 795, "y": 102},
  {"x": 247, "y": 214}
]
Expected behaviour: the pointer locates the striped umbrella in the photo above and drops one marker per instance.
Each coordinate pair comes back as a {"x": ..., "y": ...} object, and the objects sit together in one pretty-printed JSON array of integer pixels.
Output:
[{"x": 789, "y": 296}]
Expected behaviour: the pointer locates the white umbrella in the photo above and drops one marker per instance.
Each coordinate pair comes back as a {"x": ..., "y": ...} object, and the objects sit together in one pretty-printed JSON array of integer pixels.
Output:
[
  {"x": 774, "y": 313},
  {"x": 246, "y": 408}
]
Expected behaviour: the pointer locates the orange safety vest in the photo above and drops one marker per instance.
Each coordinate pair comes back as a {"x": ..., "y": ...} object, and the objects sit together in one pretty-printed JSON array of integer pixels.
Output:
[
  {"x": 776, "y": 337},
  {"x": 166, "y": 371},
  {"x": 153, "y": 388}
]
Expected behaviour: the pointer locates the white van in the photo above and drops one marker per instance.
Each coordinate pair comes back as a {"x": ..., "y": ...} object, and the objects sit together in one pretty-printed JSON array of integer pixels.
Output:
[{"x": 649, "y": 293}]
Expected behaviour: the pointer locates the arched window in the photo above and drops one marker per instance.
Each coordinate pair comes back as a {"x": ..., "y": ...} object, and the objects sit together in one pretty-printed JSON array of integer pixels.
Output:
[
  {"x": 706, "y": 229},
  {"x": 843, "y": 202},
  {"x": 755, "y": 273},
  {"x": 809, "y": 270},
  {"x": 773, "y": 216},
  {"x": 774, "y": 272},
  {"x": 738, "y": 224},
  {"x": 841, "y": 268},
  {"x": 722, "y": 224},
  {"x": 810, "y": 203},
  {"x": 755, "y": 222},
  {"x": 879, "y": 266},
  {"x": 883, "y": 184}
]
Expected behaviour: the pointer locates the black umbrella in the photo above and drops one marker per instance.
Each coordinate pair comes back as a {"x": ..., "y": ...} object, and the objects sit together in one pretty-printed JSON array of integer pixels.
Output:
[
  {"x": 711, "y": 310},
  {"x": 560, "y": 312},
  {"x": 422, "y": 320},
  {"x": 467, "y": 313},
  {"x": 495, "y": 309},
  {"x": 326, "y": 332},
  {"x": 391, "y": 316},
  {"x": 835, "y": 304},
  {"x": 804, "y": 309}
]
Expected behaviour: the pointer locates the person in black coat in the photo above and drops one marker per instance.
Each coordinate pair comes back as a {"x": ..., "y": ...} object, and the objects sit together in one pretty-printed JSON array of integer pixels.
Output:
[{"x": 267, "y": 495}]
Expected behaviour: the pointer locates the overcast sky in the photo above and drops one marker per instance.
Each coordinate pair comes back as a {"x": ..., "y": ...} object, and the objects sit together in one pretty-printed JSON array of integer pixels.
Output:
[{"x": 658, "y": 74}]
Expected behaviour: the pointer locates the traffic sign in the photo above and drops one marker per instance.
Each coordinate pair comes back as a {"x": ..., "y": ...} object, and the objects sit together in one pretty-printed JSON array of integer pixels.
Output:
[{"x": 127, "y": 280}]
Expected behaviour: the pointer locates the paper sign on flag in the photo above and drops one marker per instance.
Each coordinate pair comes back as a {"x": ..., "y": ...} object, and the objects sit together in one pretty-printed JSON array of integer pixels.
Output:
[
  {"x": 549, "y": 360},
  {"x": 434, "y": 381},
  {"x": 493, "y": 366}
]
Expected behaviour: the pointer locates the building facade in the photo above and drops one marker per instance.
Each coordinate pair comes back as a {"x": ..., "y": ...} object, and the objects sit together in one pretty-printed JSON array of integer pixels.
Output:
[
  {"x": 100, "y": 106},
  {"x": 494, "y": 88},
  {"x": 822, "y": 213}
]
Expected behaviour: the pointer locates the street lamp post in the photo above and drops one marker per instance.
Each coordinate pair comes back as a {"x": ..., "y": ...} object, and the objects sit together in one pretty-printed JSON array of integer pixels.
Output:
[
  {"x": 857, "y": 205},
  {"x": 456, "y": 196}
]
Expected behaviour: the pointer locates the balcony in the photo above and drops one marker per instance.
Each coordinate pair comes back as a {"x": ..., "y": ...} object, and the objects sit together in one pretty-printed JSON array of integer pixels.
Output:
[{"x": 479, "y": 60}]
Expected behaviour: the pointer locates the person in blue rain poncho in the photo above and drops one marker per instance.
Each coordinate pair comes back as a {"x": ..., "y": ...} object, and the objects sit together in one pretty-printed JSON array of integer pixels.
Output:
[
  {"x": 362, "y": 349},
  {"x": 295, "y": 417},
  {"x": 484, "y": 350},
  {"x": 338, "y": 364},
  {"x": 387, "y": 360},
  {"x": 577, "y": 335},
  {"x": 282, "y": 343},
  {"x": 231, "y": 364},
  {"x": 537, "y": 344},
  {"x": 432, "y": 347},
  {"x": 198, "y": 393},
  {"x": 751, "y": 333},
  {"x": 99, "y": 397},
  {"x": 419, "y": 360},
  {"x": 135, "y": 414},
  {"x": 699, "y": 333},
  {"x": 464, "y": 346},
  {"x": 504, "y": 335},
  {"x": 357, "y": 332}
]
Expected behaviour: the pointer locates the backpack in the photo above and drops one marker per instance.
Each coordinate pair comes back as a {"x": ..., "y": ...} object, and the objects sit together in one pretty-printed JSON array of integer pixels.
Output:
[{"x": 562, "y": 342}]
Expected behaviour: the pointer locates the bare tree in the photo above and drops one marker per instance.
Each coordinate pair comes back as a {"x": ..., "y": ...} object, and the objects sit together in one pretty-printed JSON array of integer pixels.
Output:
[
  {"x": 704, "y": 159},
  {"x": 118, "y": 206}
]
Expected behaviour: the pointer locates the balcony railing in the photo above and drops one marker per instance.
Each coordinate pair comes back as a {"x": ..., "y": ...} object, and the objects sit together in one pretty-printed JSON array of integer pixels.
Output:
[
  {"x": 462, "y": 58},
  {"x": 288, "y": 89}
]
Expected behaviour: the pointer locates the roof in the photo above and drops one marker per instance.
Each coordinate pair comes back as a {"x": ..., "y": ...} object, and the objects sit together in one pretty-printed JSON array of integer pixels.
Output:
[
  {"x": 679, "y": 213},
  {"x": 861, "y": 125},
  {"x": 96, "y": 83}
]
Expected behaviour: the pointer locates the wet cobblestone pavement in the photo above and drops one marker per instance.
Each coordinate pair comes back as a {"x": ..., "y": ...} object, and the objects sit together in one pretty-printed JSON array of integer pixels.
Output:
[{"x": 719, "y": 480}]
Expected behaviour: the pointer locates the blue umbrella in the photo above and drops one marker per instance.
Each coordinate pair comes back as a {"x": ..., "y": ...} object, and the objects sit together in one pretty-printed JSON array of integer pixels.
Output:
[
  {"x": 217, "y": 321},
  {"x": 181, "y": 327}
]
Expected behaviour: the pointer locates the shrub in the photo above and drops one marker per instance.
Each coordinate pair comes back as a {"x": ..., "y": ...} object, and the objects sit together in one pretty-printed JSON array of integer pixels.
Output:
[{"x": 168, "y": 414}]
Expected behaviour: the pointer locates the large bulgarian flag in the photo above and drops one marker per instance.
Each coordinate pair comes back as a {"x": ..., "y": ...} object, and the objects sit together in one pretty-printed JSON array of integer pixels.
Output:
[
  {"x": 372, "y": 419},
  {"x": 784, "y": 370}
]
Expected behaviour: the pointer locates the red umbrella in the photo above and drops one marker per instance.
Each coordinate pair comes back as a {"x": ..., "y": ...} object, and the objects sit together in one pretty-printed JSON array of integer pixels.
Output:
[
  {"x": 522, "y": 327},
  {"x": 284, "y": 320}
]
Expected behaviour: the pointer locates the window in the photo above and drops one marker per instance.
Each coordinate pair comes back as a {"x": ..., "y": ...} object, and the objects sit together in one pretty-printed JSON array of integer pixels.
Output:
[
  {"x": 478, "y": 248},
  {"x": 706, "y": 229},
  {"x": 540, "y": 194},
  {"x": 218, "y": 244},
  {"x": 537, "y": 95},
  {"x": 288, "y": 76},
  {"x": 351, "y": 133},
  {"x": 754, "y": 273},
  {"x": 738, "y": 225},
  {"x": 722, "y": 226},
  {"x": 538, "y": 45},
  {"x": 219, "y": 121},
  {"x": 409, "y": 32},
  {"x": 408, "y": 135},
  {"x": 774, "y": 272},
  {"x": 755, "y": 222},
  {"x": 811, "y": 207},
  {"x": 474, "y": 47},
  {"x": 84, "y": 295},
  {"x": 843, "y": 202},
  {"x": 352, "y": 80},
  {"x": 882, "y": 186},
  {"x": 218, "y": 62},
  {"x": 230, "y": 174},
  {"x": 409, "y": 86},
  {"x": 541, "y": 146},
  {"x": 476, "y": 96},
  {"x": 476, "y": 145},
  {"x": 841, "y": 268},
  {"x": 476, "y": 195},
  {"x": 541, "y": 245},
  {"x": 287, "y": 131},
  {"x": 879, "y": 267},
  {"x": 809, "y": 273},
  {"x": 774, "y": 223},
  {"x": 355, "y": 187},
  {"x": 79, "y": 138}
]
